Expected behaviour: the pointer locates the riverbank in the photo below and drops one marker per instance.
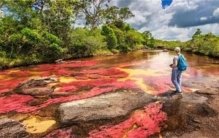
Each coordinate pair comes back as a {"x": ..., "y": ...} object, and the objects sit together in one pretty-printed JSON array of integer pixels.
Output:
[{"x": 6, "y": 63}]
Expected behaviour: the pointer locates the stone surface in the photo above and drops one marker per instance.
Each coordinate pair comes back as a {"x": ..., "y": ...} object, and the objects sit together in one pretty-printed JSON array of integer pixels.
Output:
[
  {"x": 191, "y": 115},
  {"x": 12, "y": 129},
  {"x": 105, "y": 106},
  {"x": 36, "y": 87}
]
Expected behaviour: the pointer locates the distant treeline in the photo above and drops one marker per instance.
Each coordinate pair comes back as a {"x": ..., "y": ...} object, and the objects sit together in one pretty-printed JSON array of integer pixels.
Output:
[{"x": 204, "y": 44}]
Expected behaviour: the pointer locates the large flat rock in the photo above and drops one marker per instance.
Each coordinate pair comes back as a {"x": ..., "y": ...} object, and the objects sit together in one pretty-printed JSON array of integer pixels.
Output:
[{"x": 105, "y": 106}]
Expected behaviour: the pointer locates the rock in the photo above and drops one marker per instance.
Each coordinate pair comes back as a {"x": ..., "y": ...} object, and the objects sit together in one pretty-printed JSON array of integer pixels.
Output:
[
  {"x": 106, "y": 106},
  {"x": 59, "y": 61},
  {"x": 193, "y": 98},
  {"x": 211, "y": 91},
  {"x": 36, "y": 87},
  {"x": 12, "y": 129},
  {"x": 185, "y": 113}
]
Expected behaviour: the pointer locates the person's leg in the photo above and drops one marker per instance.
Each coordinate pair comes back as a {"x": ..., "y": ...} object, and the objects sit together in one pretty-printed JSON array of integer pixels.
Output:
[
  {"x": 174, "y": 80},
  {"x": 179, "y": 77}
]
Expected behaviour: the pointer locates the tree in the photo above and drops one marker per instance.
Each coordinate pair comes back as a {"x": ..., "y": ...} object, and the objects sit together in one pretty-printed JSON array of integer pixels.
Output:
[
  {"x": 94, "y": 11},
  {"x": 110, "y": 36},
  {"x": 149, "y": 40},
  {"x": 197, "y": 34},
  {"x": 115, "y": 14},
  {"x": 58, "y": 17}
]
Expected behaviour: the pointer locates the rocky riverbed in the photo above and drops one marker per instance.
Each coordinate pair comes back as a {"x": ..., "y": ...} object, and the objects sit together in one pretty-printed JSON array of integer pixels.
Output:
[
  {"x": 189, "y": 115},
  {"x": 193, "y": 114}
]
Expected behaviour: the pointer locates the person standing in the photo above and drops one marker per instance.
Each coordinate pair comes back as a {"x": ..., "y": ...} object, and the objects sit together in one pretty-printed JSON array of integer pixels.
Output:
[{"x": 176, "y": 72}]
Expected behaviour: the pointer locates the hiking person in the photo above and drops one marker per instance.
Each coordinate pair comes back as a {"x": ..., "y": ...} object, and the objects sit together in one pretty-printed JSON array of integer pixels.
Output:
[{"x": 178, "y": 66}]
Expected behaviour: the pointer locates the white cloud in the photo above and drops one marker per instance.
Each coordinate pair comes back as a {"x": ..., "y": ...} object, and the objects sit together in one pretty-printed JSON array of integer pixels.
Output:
[
  {"x": 203, "y": 18},
  {"x": 178, "y": 21},
  {"x": 216, "y": 13}
]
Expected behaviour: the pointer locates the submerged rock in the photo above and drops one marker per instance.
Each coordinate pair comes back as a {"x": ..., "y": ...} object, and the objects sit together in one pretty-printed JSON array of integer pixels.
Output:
[
  {"x": 106, "y": 106},
  {"x": 36, "y": 87},
  {"x": 12, "y": 129}
]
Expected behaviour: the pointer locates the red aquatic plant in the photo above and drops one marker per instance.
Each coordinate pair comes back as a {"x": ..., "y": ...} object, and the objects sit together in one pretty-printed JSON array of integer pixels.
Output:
[
  {"x": 141, "y": 124},
  {"x": 9, "y": 84},
  {"x": 68, "y": 88},
  {"x": 87, "y": 63},
  {"x": 4, "y": 90},
  {"x": 62, "y": 72},
  {"x": 44, "y": 67},
  {"x": 20, "y": 74},
  {"x": 61, "y": 133},
  {"x": 46, "y": 73},
  {"x": 96, "y": 87},
  {"x": 158, "y": 84},
  {"x": 14, "y": 103},
  {"x": 111, "y": 72}
]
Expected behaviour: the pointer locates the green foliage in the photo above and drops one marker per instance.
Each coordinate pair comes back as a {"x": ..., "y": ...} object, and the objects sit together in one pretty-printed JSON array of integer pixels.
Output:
[
  {"x": 204, "y": 44},
  {"x": 121, "y": 37},
  {"x": 115, "y": 14},
  {"x": 85, "y": 42},
  {"x": 148, "y": 39},
  {"x": 110, "y": 36},
  {"x": 133, "y": 38},
  {"x": 168, "y": 44},
  {"x": 197, "y": 34}
]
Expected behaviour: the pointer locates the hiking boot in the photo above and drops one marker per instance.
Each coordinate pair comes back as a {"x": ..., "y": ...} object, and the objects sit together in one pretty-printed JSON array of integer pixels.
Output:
[{"x": 177, "y": 92}]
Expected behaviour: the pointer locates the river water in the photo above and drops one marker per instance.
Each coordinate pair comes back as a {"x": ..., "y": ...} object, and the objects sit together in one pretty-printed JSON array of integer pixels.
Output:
[{"x": 146, "y": 70}]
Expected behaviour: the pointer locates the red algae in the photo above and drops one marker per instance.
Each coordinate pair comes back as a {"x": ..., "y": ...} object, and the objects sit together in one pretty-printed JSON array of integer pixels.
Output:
[
  {"x": 105, "y": 72},
  {"x": 4, "y": 90},
  {"x": 46, "y": 73},
  {"x": 141, "y": 124},
  {"x": 67, "y": 89},
  {"x": 97, "y": 87},
  {"x": 44, "y": 67},
  {"x": 62, "y": 72},
  {"x": 61, "y": 133},
  {"x": 158, "y": 85},
  {"x": 9, "y": 84},
  {"x": 14, "y": 103},
  {"x": 80, "y": 63},
  {"x": 20, "y": 74}
]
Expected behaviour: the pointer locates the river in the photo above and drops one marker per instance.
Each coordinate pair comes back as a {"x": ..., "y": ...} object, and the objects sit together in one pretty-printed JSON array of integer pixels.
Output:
[{"x": 146, "y": 70}]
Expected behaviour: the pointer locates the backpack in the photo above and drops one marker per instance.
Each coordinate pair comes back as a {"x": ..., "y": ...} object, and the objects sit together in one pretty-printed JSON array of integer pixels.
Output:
[{"x": 182, "y": 64}]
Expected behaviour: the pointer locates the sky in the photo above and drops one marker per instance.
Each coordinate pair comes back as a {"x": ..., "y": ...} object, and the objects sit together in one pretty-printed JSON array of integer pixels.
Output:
[{"x": 173, "y": 19}]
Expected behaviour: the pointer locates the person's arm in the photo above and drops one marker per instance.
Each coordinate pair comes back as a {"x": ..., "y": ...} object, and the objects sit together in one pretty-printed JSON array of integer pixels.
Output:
[{"x": 175, "y": 61}]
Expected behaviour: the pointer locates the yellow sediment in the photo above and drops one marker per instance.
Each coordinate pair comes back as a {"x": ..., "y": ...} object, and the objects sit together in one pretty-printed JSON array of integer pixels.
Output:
[
  {"x": 2, "y": 77},
  {"x": 132, "y": 128},
  {"x": 66, "y": 79},
  {"x": 34, "y": 125},
  {"x": 13, "y": 70},
  {"x": 139, "y": 81},
  {"x": 145, "y": 72},
  {"x": 143, "y": 86}
]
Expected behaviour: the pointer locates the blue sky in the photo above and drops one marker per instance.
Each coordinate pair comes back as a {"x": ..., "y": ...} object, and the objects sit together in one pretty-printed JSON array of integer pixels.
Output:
[
  {"x": 166, "y": 3},
  {"x": 173, "y": 19}
]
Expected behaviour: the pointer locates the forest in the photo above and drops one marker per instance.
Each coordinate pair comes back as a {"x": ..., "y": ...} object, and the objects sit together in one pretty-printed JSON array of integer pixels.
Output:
[{"x": 42, "y": 31}]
